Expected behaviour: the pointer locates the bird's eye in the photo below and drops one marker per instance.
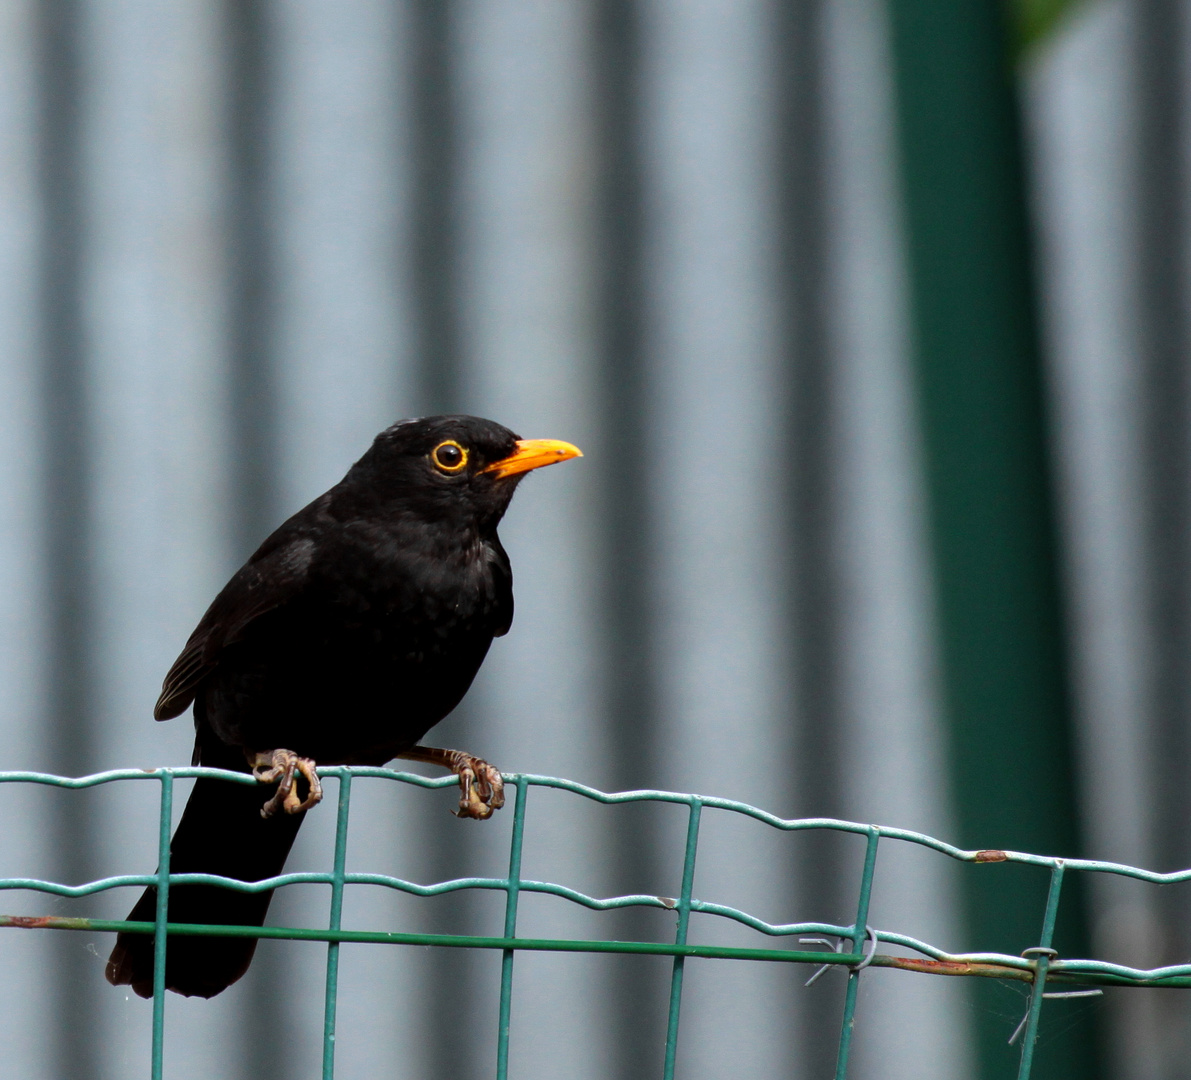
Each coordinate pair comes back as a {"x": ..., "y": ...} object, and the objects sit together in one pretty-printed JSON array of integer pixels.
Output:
[{"x": 449, "y": 456}]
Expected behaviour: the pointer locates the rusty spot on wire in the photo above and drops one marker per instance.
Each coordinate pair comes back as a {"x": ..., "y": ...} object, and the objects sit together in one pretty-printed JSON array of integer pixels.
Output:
[
  {"x": 30, "y": 922},
  {"x": 953, "y": 967},
  {"x": 991, "y": 855},
  {"x": 668, "y": 902}
]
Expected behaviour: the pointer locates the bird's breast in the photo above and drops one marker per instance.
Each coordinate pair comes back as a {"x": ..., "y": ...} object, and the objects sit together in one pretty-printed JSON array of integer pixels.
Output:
[{"x": 386, "y": 646}]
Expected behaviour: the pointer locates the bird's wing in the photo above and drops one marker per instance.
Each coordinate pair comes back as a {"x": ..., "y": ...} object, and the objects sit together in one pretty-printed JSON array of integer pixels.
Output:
[
  {"x": 502, "y": 576},
  {"x": 274, "y": 575}
]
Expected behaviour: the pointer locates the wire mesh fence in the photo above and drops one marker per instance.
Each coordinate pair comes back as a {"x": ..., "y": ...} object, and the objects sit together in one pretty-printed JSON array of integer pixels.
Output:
[{"x": 855, "y": 946}]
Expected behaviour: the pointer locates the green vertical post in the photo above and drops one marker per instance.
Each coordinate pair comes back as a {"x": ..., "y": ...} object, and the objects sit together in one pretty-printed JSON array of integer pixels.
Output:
[
  {"x": 161, "y": 918},
  {"x": 331, "y": 998},
  {"x": 1041, "y": 954},
  {"x": 981, "y": 406},
  {"x": 684, "y": 919},
  {"x": 859, "y": 939},
  {"x": 512, "y": 894}
]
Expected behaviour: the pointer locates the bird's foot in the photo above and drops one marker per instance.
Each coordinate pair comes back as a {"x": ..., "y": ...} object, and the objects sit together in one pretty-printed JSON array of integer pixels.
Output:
[
  {"x": 481, "y": 787},
  {"x": 280, "y": 767}
]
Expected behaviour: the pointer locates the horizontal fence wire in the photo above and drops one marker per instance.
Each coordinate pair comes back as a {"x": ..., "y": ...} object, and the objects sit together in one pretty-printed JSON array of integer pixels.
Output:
[{"x": 1038, "y": 966}]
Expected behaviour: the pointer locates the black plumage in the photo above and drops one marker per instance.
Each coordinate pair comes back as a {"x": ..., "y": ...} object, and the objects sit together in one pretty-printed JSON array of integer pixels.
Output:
[{"x": 352, "y": 630}]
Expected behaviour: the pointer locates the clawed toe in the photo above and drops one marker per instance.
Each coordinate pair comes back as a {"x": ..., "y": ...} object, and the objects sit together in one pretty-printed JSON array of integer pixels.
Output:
[
  {"x": 481, "y": 787},
  {"x": 279, "y": 766},
  {"x": 491, "y": 785}
]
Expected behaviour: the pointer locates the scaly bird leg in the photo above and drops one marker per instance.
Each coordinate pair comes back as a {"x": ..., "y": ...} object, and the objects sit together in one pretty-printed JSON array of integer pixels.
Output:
[
  {"x": 279, "y": 766},
  {"x": 481, "y": 787}
]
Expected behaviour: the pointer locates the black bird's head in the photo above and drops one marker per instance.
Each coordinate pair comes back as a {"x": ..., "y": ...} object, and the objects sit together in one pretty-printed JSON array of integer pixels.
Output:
[{"x": 457, "y": 470}]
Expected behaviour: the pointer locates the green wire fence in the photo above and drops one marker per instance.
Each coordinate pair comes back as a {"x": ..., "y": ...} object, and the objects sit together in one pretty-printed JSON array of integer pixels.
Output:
[{"x": 1040, "y": 965}]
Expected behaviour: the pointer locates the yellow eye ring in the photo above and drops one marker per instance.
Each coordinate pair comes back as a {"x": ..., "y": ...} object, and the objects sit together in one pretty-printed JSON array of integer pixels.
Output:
[{"x": 449, "y": 457}]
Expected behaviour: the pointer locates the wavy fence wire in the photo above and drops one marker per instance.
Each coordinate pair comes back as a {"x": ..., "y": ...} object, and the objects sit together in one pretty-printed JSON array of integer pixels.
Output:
[{"x": 856, "y": 946}]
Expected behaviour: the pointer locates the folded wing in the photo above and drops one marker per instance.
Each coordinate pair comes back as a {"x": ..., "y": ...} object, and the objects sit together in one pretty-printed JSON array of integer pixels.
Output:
[{"x": 271, "y": 578}]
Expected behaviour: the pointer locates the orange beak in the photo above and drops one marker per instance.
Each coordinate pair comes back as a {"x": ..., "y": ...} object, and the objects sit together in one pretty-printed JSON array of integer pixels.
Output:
[{"x": 532, "y": 454}]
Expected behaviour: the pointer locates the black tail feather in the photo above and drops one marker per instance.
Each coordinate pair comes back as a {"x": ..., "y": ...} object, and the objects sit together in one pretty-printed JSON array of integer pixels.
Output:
[{"x": 221, "y": 832}]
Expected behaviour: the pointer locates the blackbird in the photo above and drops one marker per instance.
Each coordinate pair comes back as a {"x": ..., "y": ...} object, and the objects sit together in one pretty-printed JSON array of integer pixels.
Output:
[{"x": 349, "y": 633}]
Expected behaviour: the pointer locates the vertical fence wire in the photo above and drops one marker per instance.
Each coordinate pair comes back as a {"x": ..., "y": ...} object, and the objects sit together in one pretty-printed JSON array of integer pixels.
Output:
[
  {"x": 1044, "y": 952},
  {"x": 859, "y": 938},
  {"x": 332, "y": 996},
  {"x": 684, "y": 918},
  {"x": 160, "y": 918},
  {"x": 512, "y": 893}
]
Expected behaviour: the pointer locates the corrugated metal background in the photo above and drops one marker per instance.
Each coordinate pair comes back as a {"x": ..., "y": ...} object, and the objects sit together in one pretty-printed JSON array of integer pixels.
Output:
[{"x": 237, "y": 240}]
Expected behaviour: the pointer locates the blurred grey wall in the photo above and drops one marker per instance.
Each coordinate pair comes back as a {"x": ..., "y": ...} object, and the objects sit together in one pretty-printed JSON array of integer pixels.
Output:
[
  {"x": 1108, "y": 108},
  {"x": 237, "y": 240}
]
